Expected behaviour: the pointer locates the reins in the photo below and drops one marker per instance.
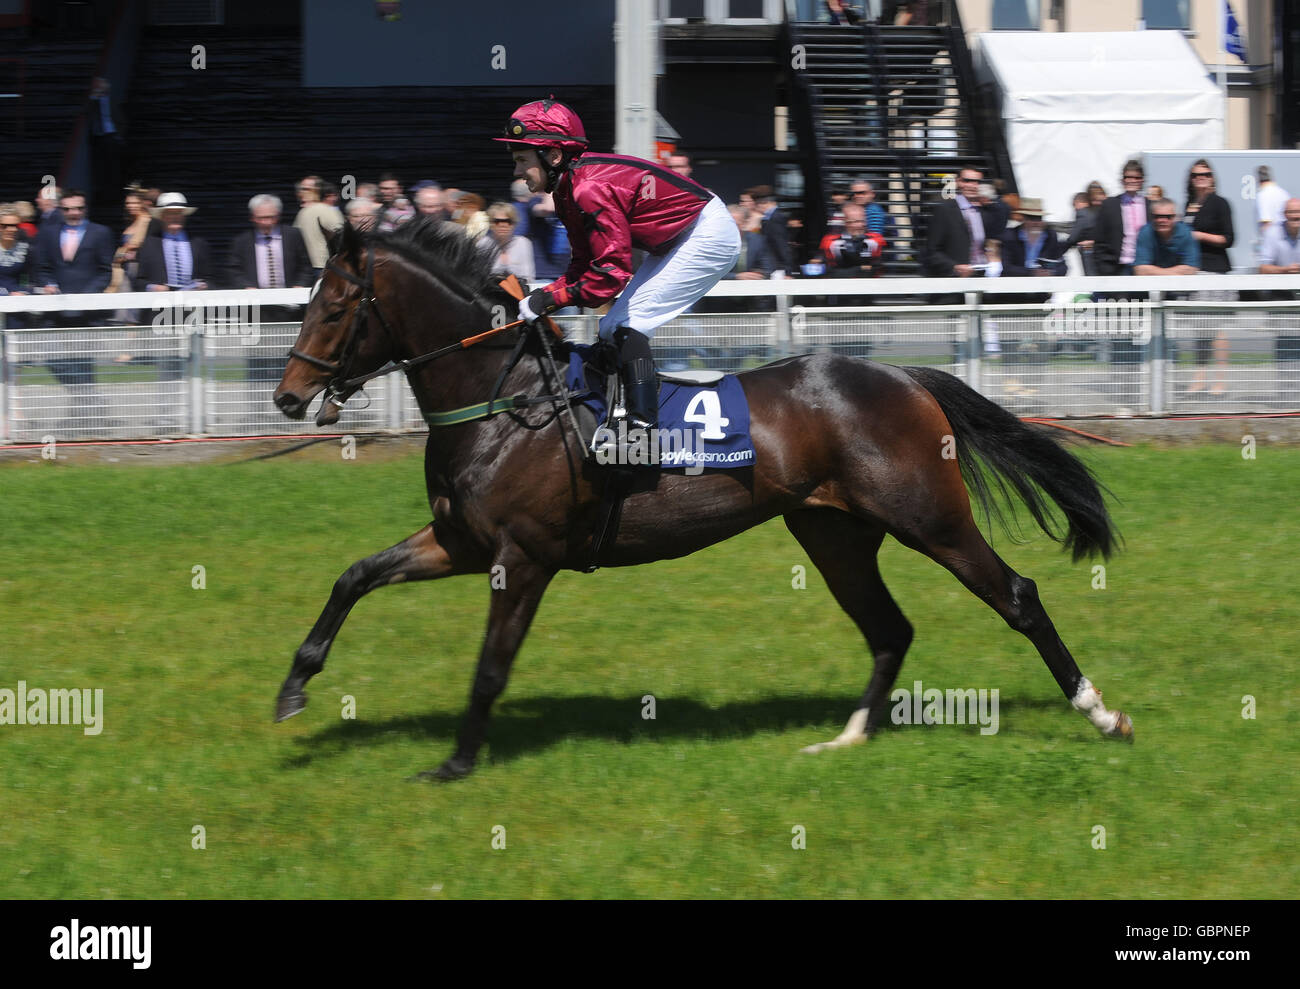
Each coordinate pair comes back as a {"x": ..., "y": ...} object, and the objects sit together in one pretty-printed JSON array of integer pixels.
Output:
[{"x": 340, "y": 387}]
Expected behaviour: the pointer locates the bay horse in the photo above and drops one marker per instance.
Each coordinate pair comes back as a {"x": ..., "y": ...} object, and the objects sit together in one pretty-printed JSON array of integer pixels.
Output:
[{"x": 847, "y": 451}]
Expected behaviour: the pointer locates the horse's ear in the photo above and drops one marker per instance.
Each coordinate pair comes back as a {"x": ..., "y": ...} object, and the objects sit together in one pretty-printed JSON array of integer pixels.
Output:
[
  {"x": 334, "y": 240},
  {"x": 345, "y": 241}
]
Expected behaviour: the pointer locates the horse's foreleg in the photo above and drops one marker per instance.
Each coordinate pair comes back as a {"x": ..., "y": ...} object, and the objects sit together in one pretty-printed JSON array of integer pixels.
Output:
[
  {"x": 423, "y": 556},
  {"x": 514, "y": 603},
  {"x": 844, "y": 547}
]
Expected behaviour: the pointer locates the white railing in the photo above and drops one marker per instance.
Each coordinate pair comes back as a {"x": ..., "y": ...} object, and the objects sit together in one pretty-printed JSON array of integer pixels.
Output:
[{"x": 206, "y": 363}]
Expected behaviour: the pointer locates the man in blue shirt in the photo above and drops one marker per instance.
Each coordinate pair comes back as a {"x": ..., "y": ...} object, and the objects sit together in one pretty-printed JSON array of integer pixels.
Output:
[
  {"x": 1280, "y": 252},
  {"x": 174, "y": 260},
  {"x": 1165, "y": 246}
]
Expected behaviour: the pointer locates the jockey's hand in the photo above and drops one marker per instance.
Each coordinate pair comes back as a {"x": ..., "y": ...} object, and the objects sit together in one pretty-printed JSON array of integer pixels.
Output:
[{"x": 539, "y": 303}]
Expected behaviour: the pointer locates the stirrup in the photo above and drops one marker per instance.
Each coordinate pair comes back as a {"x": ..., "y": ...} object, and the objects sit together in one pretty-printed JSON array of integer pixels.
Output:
[{"x": 619, "y": 443}]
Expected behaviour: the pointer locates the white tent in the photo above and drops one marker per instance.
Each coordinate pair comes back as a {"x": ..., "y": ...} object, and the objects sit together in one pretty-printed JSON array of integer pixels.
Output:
[{"x": 1076, "y": 106}]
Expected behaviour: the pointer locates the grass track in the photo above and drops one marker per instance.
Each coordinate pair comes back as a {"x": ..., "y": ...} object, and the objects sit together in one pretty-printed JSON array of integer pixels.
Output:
[{"x": 1198, "y": 611}]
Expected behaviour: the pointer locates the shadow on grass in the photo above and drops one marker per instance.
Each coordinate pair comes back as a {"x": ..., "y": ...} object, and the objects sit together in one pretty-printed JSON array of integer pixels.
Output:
[{"x": 532, "y": 724}]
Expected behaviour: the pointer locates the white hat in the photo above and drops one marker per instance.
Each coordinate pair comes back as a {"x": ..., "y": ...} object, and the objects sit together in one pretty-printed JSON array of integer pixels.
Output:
[{"x": 171, "y": 200}]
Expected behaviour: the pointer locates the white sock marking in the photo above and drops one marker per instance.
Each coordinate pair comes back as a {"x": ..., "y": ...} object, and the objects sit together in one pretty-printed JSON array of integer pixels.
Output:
[
  {"x": 1088, "y": 700},
  {"x": 855, "y": 731}
]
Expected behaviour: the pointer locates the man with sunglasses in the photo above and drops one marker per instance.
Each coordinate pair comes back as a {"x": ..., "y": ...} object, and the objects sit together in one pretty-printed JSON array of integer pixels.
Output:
[
  {"x": 957, "y": 231},
  {"x": 1119, "y": 222},
  {"x": 1165, "y": 246},
  {"x": 74, "y": 257}
]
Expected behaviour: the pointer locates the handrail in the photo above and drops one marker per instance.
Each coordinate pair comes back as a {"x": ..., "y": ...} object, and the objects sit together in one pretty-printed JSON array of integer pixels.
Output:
[
  {"x": 780, "y": 288},
  {"x": 988, "y": 133}
]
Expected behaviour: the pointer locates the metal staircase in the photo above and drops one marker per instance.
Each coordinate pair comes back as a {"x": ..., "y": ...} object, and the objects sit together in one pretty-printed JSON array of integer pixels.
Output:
[{"x": 899, "y": 107}]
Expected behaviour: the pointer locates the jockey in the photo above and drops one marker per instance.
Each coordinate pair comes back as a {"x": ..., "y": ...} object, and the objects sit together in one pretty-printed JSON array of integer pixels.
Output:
[{"x": 611, "y": 204}]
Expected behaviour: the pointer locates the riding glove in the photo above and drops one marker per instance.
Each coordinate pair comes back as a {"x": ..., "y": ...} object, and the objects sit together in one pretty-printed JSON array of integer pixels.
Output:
[{"x": 539, "y": 303}]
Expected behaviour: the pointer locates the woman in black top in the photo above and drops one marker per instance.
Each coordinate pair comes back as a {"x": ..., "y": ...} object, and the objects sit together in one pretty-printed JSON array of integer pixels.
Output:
[
  {"x": 1210, "y": 218},
  {"x": 16, "y": 259}
]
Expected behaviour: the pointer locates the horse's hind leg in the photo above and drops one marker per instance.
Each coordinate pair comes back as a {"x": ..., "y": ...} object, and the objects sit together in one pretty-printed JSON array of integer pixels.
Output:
[
  {"x": 423, "y": 556},
  {"x": 961, "y": 547},
  {"x": 843, "y": 547}
]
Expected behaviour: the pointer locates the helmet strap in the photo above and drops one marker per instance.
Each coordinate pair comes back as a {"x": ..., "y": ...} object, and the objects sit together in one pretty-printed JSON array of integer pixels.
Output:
[{"x": 553, "y": 172}]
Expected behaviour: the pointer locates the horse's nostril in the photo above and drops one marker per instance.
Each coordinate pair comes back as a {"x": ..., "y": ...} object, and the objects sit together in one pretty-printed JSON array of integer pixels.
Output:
[{"x": 291, "y": 405}]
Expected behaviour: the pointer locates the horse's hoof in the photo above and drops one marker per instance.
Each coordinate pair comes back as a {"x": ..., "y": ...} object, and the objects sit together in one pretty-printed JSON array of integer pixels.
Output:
[
  {"x": 1123, "y": 730},
  {"x": 448, "y": 772},
  {"x": 287, "y": 705},
  {"x": 854, "y": 733},
  {"x": 835, "y": 743}
]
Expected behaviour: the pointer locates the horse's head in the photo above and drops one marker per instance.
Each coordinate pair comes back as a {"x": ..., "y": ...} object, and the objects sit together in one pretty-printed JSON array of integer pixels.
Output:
[{"x": 342, "y": 333}]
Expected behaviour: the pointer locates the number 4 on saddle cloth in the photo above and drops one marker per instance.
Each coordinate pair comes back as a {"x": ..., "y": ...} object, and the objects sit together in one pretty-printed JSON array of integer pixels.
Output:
[{"x": 703, "y": 418}]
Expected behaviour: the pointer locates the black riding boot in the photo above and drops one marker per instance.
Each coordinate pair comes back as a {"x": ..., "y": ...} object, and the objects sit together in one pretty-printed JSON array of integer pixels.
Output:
[{"x": 640, "y": 387}]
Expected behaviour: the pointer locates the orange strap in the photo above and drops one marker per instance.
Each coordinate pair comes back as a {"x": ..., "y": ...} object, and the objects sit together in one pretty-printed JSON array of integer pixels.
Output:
[{"x": 510, "y": 285}]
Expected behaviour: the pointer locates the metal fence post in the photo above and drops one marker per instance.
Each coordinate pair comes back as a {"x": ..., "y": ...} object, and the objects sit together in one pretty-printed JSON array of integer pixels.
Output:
[
  {"x": 196, "y": 343},
  {"x": 798, "y": 320},
  {"x": 974, "y": 345},
  {"x": 395, "y": 396},
  {"x": 1157, "y": 354},
  {"x": 781, "y": 325},
  {"x": 4, "y": 382}
]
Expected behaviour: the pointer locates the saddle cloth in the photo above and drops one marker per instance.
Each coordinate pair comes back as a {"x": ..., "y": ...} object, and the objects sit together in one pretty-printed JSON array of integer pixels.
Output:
[{"x": 701, "y": 426}]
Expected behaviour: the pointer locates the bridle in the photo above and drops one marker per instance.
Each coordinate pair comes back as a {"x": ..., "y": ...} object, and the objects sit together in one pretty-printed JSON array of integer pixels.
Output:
[{"x": 340, "y": 386}]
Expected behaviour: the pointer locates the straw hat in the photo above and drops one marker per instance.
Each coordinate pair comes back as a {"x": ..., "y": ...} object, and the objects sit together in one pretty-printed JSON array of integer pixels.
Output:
[
  {"x": 171, "y": 200},
  {"x": 1031, "y": 209}
]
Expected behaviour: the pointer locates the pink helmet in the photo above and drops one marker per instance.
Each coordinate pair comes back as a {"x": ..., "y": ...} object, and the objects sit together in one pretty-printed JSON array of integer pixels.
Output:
[{"x": 546, "y": 123}]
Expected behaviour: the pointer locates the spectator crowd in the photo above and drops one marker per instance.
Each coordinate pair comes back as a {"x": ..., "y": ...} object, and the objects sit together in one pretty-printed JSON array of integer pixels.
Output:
[{"x": 52, "y": 246}]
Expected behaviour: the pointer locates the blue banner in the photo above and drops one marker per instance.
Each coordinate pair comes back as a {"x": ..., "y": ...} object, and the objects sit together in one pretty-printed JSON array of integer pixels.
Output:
[{"x": 1233, "y": 43}]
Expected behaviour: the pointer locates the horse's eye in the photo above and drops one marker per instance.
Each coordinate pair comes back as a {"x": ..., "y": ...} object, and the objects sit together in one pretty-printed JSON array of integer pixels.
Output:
[{"x": 333, "y": 317}]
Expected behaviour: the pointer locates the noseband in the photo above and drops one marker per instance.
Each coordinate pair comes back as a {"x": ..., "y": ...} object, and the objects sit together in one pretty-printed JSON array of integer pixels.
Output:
[{"x": 339, "y": 386}]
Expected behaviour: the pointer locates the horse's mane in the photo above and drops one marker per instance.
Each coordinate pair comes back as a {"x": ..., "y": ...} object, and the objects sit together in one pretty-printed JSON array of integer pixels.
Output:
[{"x": 445, "y": 252}]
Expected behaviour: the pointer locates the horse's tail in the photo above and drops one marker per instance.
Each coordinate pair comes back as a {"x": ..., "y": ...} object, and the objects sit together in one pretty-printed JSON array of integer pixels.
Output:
[{"x": 995, "y": 447}]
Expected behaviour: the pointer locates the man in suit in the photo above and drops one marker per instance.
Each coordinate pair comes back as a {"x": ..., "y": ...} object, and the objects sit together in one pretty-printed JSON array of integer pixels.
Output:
[
  {"x": 775, "y": 229},
  {"x": 47, "y": 201},
  {"x": 73, "y": 257},
  {"x": 173, "y": 261},
  {"x": 1118, "y": 223},
  {"x": 269, "y": 256},
  {"x": 955, "y": 235},
  {"x": 1034, "y": 247},
  {"x": 754, "y": 262}
]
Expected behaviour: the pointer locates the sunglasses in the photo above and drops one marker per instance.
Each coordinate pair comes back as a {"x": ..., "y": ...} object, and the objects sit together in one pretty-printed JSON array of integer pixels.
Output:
[
  {"x": 506, "y": 222},
  {"x": 8, "y": 226},
  {"x": 1202, "y": 175},
  {"x": 1162, "y": 216},
  {"x": 1133, "y": 178}
]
